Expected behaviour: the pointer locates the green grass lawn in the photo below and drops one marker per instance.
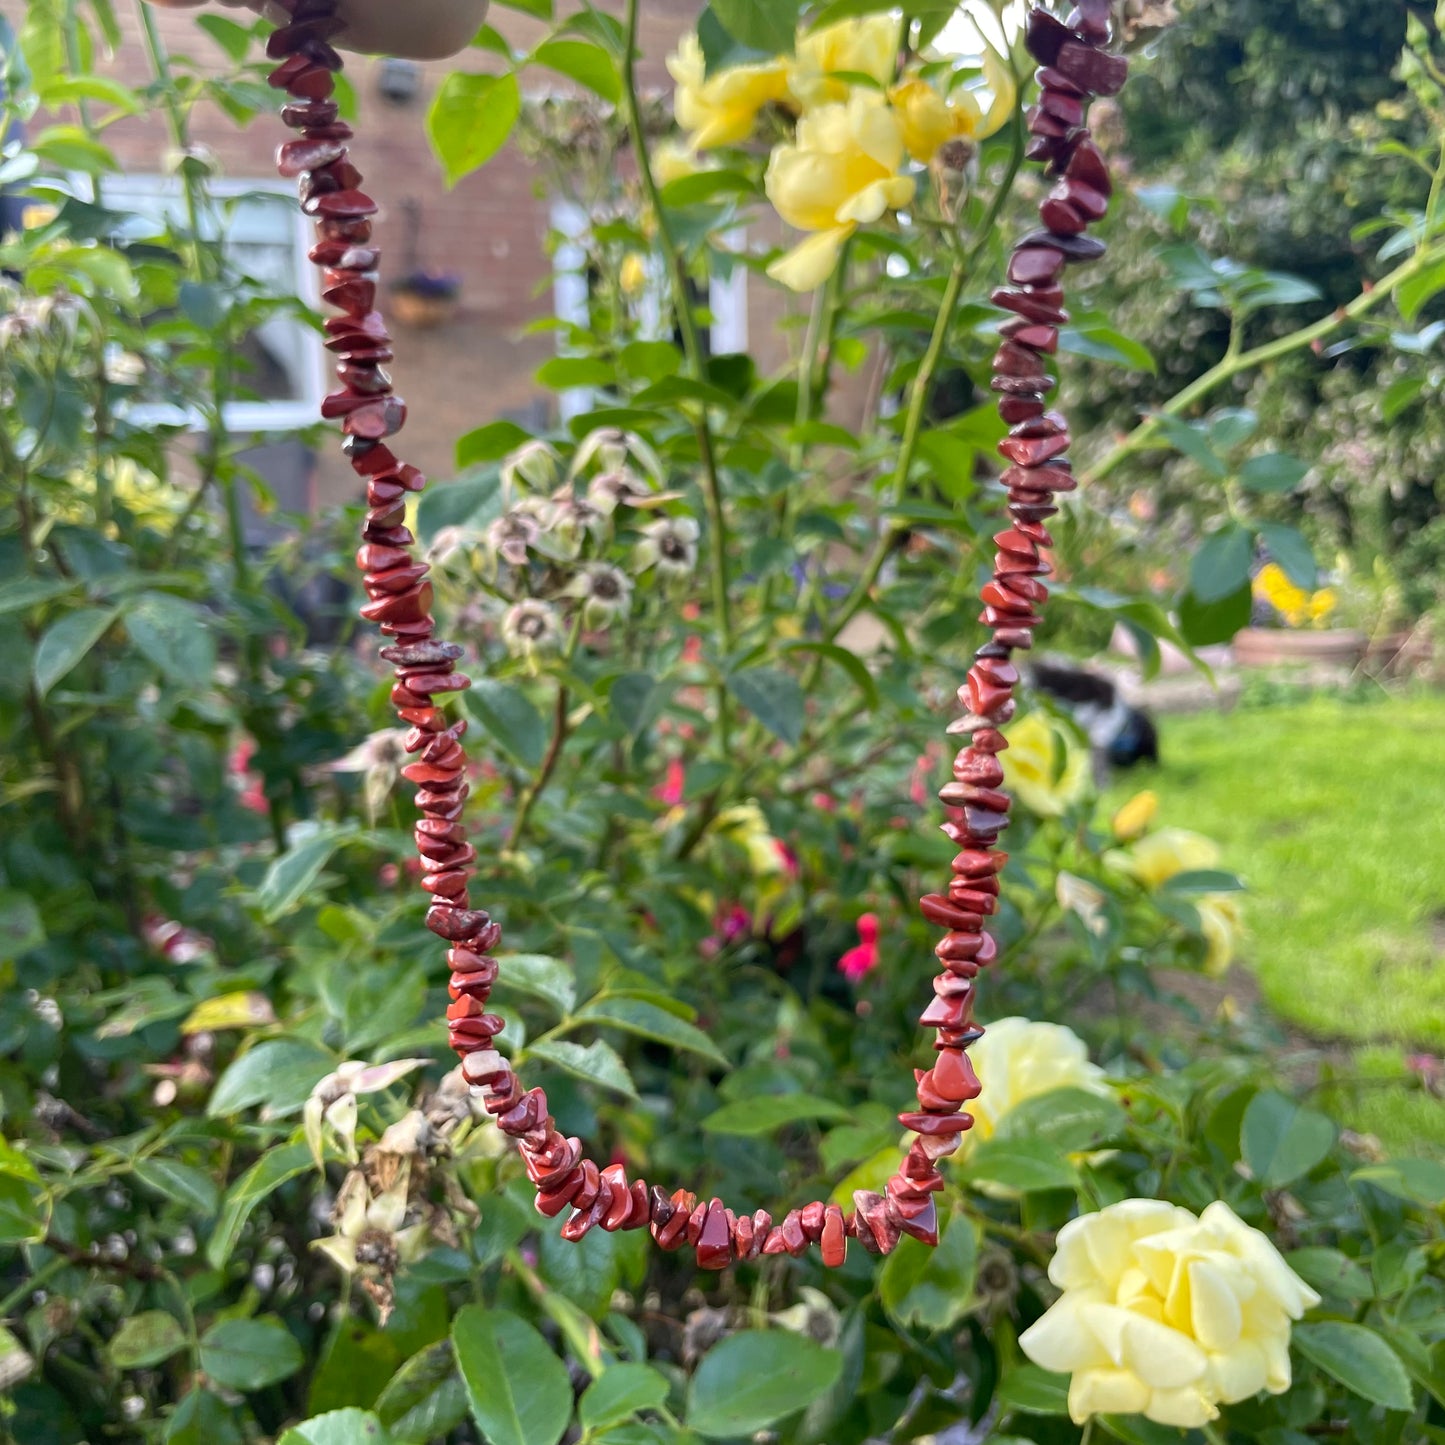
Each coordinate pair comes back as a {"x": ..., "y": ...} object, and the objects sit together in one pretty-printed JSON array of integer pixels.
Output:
[{"x": 1333, "y": 811}]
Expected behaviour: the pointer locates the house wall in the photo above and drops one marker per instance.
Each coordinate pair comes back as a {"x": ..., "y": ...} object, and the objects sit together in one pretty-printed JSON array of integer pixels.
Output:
[{"x": 490, "y": 229}]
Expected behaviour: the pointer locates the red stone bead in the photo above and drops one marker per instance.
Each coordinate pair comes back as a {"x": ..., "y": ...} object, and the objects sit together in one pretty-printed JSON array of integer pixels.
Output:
[
  {"x": 1097, "y": 71},
  {"x": 834, "y": 1241},
  {"x": 1014, "y": 409},
  {"x": 714, "y": 1242},
  {"x": 1061, "y": 217},
  {"x": 1035, "y": 266}
]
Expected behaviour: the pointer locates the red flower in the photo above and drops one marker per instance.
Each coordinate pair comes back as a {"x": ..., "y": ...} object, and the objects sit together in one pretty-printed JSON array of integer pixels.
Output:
[
  {"x": 669, "y": 792},
  {"x": 863, "y": 958}
]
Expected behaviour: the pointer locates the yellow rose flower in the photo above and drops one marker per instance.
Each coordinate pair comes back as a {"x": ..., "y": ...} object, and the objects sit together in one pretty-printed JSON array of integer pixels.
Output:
[
  {"x": 1167, "y": 1315},
  {"x": 840, "y": 172},
  {"x": 932, "y": 119},
  {"x": 1044, "y": 768},
  {"x": 721, "y": 109},
  {"x": 866, "y": 46},
  {"x": 1133, "y": 819},
  {"x": 674, "y": 160},
  {"x": 1221, "y": 920},
  {"x": 1154, "y": 860},
  {"x": 1018, "y": 1059},
  {"x": 632, "y": 276}
]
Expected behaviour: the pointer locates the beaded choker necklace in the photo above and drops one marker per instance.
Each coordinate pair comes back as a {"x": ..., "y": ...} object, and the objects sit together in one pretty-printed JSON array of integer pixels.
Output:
[{"x": 1075, "y": 66}]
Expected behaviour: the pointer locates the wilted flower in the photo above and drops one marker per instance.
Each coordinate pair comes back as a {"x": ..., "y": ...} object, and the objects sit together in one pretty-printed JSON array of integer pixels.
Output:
[
  {"x": 532, "y": 466},
  {"x": 605, "y": 591},
  {"x": 1019, "y": 1059},
  {"x": 1133, "y": 819},
  {"x": 669, "y": 544},
  {"x": 825, "y": 58},
  {"x": 370, "y": 1240},
  {"x": 575, "y": 519},
  {"x": 815, "y": 1315},
  {"x": 1221, "y": 921},
  {"x": 1044, "y": 767},
  {"x": 624, "y": 488},
  {"x": 1078, "y": 895},
  {"x": 1167, "y": 1315},
  {"x": 840, "y": 172},
  {"x": 721, "y": 109},
  {"x": 1160, "y": 856},
  {"x": 379, "y": 758},
  {"x": 332, "y": 1102},
  {"x": 513, "y": 534},
  {"x": 615, "y": 450},
  {"x": 531, "y": 627}
]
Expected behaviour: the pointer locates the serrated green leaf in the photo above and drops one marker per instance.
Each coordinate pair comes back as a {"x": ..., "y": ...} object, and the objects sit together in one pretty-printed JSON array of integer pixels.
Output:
[
  {"x": 146, "y": 1339},
  {"x": 1272, "y": 472},
  {"x": 764, "y": 25},
  {"x": 66, "y": 641},
  {"x": 520, "y": 1392},
  {"x": 597, "y": 1063},
  {"x": 470, "y": 118},
  {"x": 174, "y": 635},
  {"x": 1281, "y": 1140},
  {"x": 1359, "y": 1359},
  {"x": 619, "y": 1393},
  {"x": 266, "y": 1175},
  {"x": 1029, "y": 1166},
  {"x": 508, "y": 716},
  {"x": 426, "y": 1398},
  {"x": 250, "y": 1354},
  {"x": 548, "y": 979},
  {"x": 1221, "y": 565},
  {"x": 338, "y": 1427},
  {"x": 755, "y": 1378},
  {"x": 1071, "y": 1120},
  {"x": 637, "y": 1016},
  {"x": 931, "y": 1288},
  {"x": 764, "y": 1113},
  {"x": 774, "y": 698},
  {"x": 589, "y": 65}
]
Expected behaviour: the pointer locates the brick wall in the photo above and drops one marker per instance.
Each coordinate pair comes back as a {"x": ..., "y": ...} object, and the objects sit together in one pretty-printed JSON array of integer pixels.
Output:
[{"x": 490, "y": 229}]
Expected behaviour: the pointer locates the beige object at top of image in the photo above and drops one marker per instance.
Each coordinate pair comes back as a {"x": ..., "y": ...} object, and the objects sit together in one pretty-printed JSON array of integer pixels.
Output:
[{"x": 420, "y": 30}]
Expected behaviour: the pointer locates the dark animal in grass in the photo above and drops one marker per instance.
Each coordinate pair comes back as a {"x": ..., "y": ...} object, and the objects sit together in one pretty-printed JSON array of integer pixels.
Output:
[{"x": 1120, "y": 734}]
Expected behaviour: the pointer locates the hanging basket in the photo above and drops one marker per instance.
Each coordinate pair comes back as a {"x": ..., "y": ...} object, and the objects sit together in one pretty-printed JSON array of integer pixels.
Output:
[{"x": 423, "y": 313}]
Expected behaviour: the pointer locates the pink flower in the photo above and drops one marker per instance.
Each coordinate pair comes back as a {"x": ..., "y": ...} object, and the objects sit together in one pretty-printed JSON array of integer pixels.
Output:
[
  {"x": 669, "y": 792},
  {"x": 252, "y": 785},
  {"x": 863, "y": 958},
  {"x": 788, "y": 857},
  {"x": 1429, "y": 1070}
]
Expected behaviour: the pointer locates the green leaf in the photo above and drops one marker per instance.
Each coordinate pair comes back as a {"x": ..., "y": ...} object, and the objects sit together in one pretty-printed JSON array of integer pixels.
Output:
[
  {"x": 562, "y": 373},
  {"x": 204, "y": 303},
  {"x": 853, "y": 665},
  {"x": 636, "y": 699},
  {"x": 597, "y": 1063},
  {"x": 1203, "y": 623},
  {"x": 538, "y": 976},
  {"x": 589, "y": 65},
  {"x": 276, "y": 1072},
  {"x": 146, "y": 1339},
  {"x": 765, "y": 25},
  {"x": 470, "y": 503},
  {"x": 509, "y": 718},
  {"x": 338, "y": 1427},
  {"x": 175, "y": 635},
  {"x": 24, "y": 592},
  {"x": 774, "y": 698},
  {"x": 1415, "y": 291},
  {"x": 756, "y": 1377},
  {"x": 250, "y": 1354},
  {"x": 1221, "y": 565},
  {"x": 1281, "y": 1141},
  {"x": 542, "y": 9},
  {"x": 1034, "y": 1391},
  {"x": 426, "y": 1398},
  {"x": 519, "y": 1390},
  {"x": 1421, "y": 1181},
  {"x": 619, "y": 1393},
  {"x": 1103, "y": 343},
  {"x": 1203, "y": 880},
  {"x": 21, "y": 928},
  {"x": 1231, "y": 427},
  {"x": 1359, "y": 1359},
  {"x": 1071, "y": 1120},
  {"x": 234, "y": 39},
  {"x": 1192, "y": 439},
  {"x": 24, "y": 1214},
  {"x": 66, "y": 641},
  {"x": 1400, "y": 396},
  {"x": 470, "y": 119},
  {"x": 289, "y": 877},
  {"x": 1027, "y": 1165},
  {"x": 764, "y": 1113},
  {"x": 1288, "y": 548},
  {"x": 488, "y": 443},
  {"x": 1333, "y": 1274},
  {"x": 637, "y": 1016},
  {"x": 203, "y": 1419},
  {"x": 1273, "y": 472},
  {"x": 183, "y": 1183},
  {"x": 931, "y": 1288}
]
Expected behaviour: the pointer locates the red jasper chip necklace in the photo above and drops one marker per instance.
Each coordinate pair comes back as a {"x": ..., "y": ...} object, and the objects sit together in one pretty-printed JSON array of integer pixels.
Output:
[{"x": 1075, "y": 66}]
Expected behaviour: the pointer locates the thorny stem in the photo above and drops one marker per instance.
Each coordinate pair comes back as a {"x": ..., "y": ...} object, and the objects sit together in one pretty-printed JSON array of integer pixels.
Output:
[{"x": 544, "y": 775}]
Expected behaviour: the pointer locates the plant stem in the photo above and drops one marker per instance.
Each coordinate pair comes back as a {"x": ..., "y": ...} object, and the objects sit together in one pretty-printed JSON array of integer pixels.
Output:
[
  {"x": 544, "y": 775},
  {"x": 692, "y": 347},
  {"x": 1144, "y": 435}
]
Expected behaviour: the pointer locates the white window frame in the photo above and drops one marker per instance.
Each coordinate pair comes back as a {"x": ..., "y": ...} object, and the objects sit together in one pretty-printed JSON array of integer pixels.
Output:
[
  {"x": 141, "y": 191},
  {"x": 727, "y": 299}
]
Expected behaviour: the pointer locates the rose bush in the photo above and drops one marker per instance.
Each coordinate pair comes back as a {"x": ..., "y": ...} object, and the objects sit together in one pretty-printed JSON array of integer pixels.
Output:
[{"x": 243, "y": 1197}]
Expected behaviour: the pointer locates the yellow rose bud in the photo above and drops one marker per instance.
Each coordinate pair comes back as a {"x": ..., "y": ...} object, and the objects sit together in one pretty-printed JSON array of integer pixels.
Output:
[
  {"x": 1221, "y": 921},
  {"x": 840, "y": 172},
  {"x": 721, "y": 109},
  {"x": 1018, "y": 1059},
  {"x": 673, "y": 161},
  {"x": 1133, "y": 819},
  {"x": 1155, "y": 859},
  {"x": 822, "y": 58},
  {"x": 633, "y": 275},
  {"x": 1044, "y": 768},
  {"x": 1167, "y": 1315}
]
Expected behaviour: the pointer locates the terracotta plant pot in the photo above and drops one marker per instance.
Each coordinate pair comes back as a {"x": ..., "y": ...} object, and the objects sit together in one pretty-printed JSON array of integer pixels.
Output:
[
  {"x": 421, "y": 312},
  {"x": 1283, "y": 647}
]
